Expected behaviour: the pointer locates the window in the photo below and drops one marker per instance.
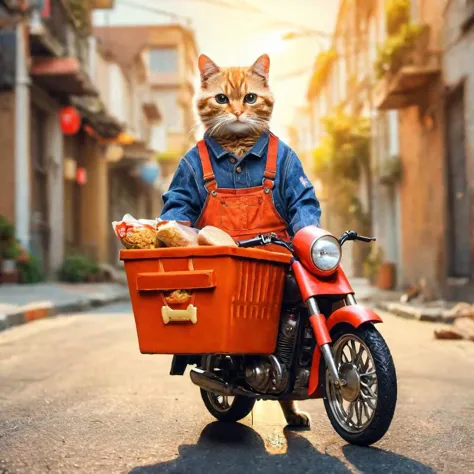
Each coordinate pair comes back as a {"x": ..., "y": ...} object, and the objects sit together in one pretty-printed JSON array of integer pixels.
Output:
[
  {"x": 167, "y": 101},
  {"x": 164, "y": 60}
]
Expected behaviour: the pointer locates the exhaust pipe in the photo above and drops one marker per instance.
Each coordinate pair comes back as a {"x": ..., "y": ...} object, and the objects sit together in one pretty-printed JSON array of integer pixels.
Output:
[{"x": 212, "y": 383}]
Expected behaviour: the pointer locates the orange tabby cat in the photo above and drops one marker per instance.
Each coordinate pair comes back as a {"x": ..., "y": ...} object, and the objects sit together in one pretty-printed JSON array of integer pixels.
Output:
[{"x": 235, "y": 105}]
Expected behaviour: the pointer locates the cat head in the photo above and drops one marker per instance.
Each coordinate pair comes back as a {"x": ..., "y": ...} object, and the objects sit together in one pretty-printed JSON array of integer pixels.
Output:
[{"x": 235, "y": 100}]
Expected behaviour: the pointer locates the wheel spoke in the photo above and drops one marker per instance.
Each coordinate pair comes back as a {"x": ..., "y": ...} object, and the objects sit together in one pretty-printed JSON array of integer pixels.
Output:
[
  {"x": 369, "y": 374},
  {"x": 358, "y": 410},
  {"x": 366, "y": 410},
  {"x": 368, "y": 399},
  {"x": 352, "y": 348},
  {"x": 359, "y": 360},
  {"x": 369, "y": 389},
  {"x": 350, "y": 413}
]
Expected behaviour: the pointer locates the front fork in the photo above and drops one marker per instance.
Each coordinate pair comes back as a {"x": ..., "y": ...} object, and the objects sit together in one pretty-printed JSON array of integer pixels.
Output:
[{"x": 323, "y": 338}]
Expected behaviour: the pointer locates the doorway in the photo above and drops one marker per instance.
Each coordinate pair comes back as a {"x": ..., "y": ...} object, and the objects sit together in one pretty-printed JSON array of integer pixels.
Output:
[{"x": 459, "y": 218}]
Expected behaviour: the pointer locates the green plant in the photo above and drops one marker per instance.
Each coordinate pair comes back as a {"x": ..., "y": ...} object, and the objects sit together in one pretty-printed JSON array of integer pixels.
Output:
[
  {"x": 392, "y": 53},
  {"x": 11, "y": 251},
  {"x": 77, "y": 269},
  {"x": 391, "y": 171},
  {"x": 340, "y": 161},
  {"x": 397, "y": 14},
  {"x": 30, "y": 270},
  {"x": 79, "y": 11},
  {"x": 322, "y": 67},
  {"x": 7, "y": 229},
  {"x": 372, "y": 262}
]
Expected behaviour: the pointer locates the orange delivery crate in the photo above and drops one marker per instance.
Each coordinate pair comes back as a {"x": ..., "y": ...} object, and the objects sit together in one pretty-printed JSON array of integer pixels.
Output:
[{"x": 236, "y": 296}]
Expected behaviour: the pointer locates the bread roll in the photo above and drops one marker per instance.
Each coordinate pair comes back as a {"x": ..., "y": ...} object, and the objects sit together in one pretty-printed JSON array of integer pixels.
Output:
[{"x": 216, "y": 237}]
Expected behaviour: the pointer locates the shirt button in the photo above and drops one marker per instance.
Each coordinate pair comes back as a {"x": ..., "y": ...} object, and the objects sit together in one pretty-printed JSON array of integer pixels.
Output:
[
  {"x": 238, "y": 169},
  {"x": 233, "y": 160}
]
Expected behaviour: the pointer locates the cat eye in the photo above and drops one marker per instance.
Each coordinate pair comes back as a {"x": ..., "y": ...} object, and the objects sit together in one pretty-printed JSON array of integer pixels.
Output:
[
  {"x": 250, "y": 98},
  {"x": 222, "y": 99}
]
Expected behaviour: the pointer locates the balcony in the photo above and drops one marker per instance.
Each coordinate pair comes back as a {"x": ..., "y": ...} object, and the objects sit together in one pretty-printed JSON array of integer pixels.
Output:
[
  {"x": 60, "y": 50},
  {"x": 403, "y": 85}
]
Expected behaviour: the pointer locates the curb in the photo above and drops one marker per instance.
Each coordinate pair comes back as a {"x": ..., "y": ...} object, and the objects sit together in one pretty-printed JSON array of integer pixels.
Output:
[
  {"x": 33, "y": 312},
  {"x": 433, "y": 315}
]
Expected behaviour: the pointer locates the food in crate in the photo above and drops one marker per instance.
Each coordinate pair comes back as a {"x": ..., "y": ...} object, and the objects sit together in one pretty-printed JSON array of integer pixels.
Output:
[
  {"x": 136, "y": 234},
  {"x": 174, "y": 234},
  {"x": 213, "y": 236},
  {"x": 150, "y": 234},
  {"x": 178, "y": 297}
]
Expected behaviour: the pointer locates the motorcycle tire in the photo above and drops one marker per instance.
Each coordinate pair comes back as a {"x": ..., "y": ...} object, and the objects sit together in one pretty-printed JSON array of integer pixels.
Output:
[
  {"x": 386, "y": 385},
  {"x": 238, "y": 409}
]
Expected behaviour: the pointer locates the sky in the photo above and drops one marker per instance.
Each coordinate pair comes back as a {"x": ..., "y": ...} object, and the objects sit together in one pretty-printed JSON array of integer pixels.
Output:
[{"x": 236, "y": 32}]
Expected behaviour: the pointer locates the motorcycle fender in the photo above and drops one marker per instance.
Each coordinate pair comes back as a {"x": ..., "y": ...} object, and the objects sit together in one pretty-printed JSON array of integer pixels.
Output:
[{"x": 355, "y": 315}]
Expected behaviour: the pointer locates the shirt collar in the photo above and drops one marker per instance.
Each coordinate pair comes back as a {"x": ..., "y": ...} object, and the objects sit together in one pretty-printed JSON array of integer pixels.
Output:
[{"x": 257, "y": 150}]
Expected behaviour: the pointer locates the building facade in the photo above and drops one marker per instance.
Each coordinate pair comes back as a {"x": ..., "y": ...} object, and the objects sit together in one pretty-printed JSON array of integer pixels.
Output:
[
  {"x": 390, "y": 67},
  {"x": 45, "y": 61},
  {"x": 62, "y": 191},
  {"x": 170, "y": 53},
  {"x": 458, "y": 75}
]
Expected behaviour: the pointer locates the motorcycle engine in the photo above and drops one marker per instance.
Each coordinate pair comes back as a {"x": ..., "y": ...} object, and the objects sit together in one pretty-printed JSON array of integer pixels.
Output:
[{"x": 269, "y": 374}]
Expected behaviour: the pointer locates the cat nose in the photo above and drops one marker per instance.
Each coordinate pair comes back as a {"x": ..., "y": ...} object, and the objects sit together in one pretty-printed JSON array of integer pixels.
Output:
[{"x": 237, "y": 113}]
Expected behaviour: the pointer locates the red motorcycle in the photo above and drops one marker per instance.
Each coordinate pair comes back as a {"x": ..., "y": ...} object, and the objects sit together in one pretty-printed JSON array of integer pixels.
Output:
[
  {"x": 265, "y": 325},
  {"x": 327, "y": 347}
]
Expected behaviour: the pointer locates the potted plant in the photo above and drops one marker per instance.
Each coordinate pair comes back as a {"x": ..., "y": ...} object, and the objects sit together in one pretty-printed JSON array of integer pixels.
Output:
[
  {"x": 10, "y": 253},
  {"x": 29, "y": 269},
  {"x": 78, "y": 269},
  {"x": 7, "y": 230},
  {"x": 386, "y": 276}
]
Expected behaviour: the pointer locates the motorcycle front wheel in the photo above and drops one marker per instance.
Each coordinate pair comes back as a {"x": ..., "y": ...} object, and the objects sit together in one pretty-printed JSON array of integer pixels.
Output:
[{"x": 361, "y": 411}]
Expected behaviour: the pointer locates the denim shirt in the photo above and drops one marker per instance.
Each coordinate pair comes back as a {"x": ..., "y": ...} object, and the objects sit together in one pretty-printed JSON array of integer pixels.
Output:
[{"x": 293, "y": 194}]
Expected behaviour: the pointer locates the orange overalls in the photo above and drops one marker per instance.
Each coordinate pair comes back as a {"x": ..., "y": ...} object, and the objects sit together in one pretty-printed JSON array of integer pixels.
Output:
[{"x": 243, "y": 213}]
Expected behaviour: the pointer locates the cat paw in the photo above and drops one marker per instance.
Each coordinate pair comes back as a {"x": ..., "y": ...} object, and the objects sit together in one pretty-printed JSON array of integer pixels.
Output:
[{"x": 298, "y": 419}]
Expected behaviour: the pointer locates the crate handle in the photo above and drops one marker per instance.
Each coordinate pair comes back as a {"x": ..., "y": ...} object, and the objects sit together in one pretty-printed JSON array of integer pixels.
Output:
[
  {"x": 171, "y": 315},
  {"x": 169, "y": 281}
]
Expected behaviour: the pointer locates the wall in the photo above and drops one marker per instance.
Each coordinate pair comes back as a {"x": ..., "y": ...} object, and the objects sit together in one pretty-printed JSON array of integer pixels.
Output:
[
  {"x": 7, "y": 156},
  {"x": 423, "y": 194},
  {"x": 101, "y": 78},
  {"x": 458, "y": 67},
  {"x": 95, "y": 224},
  {"x": 119, "y": 94}
]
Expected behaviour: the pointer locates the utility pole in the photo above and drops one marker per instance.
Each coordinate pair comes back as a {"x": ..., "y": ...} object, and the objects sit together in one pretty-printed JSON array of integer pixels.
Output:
[{"x": 22, "y": 133}]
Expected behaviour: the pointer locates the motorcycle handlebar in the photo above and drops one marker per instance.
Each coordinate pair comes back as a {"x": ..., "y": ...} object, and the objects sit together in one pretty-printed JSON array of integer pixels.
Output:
[
  {"x": 261, "y": 240},
  {"x": 254, "y": 242}
]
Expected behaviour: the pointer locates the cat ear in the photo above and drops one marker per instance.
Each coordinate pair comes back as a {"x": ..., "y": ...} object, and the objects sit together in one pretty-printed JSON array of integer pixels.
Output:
[
  {"x": 261, "y": 66},
  {"x": 207, "y": 67}
]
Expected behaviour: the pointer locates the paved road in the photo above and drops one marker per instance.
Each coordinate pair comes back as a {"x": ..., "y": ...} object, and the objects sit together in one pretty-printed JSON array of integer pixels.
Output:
[{"x": 77, "y": 397}]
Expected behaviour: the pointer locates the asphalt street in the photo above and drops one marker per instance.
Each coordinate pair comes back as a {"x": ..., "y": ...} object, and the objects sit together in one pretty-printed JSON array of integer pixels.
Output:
[{"x": 76, "y": 396}]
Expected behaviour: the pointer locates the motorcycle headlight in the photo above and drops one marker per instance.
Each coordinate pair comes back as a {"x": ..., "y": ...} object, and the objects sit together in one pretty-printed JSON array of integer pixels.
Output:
[{"x": 326, "y": 253}]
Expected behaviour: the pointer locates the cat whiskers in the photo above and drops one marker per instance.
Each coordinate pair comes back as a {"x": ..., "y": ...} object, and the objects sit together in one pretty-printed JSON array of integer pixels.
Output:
[{"x": 218, "y": 124}]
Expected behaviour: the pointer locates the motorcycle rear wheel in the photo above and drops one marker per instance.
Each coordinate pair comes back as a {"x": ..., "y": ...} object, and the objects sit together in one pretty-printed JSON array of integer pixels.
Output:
[
  {"x": 228, "y": 409},
  {"x": 362, "y": 411},
  {"x": 223, "y": 407}
]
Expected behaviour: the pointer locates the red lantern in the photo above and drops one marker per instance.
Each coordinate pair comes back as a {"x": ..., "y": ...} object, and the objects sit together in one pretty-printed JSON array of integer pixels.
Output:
[
  {"x": 70, "y": 120},
  {"x": 81, "y": 176}
]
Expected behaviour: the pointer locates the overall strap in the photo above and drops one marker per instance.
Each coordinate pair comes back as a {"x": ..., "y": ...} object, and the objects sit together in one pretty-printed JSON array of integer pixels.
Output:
[
  {"x": 271, "y": 166},
  {"x": 209, "y": 176}
]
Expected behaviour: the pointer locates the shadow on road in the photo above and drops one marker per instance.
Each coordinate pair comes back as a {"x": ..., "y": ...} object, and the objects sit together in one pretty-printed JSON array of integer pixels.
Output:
[
  {"x": 374, "y": 461},
  {"x": 236, "y": 448}
]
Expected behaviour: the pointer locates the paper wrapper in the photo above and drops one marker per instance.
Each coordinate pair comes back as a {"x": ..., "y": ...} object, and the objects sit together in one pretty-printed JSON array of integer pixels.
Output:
[
  {"x": 136, "y": 234},
  {"x": 174, "y": 234}
]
